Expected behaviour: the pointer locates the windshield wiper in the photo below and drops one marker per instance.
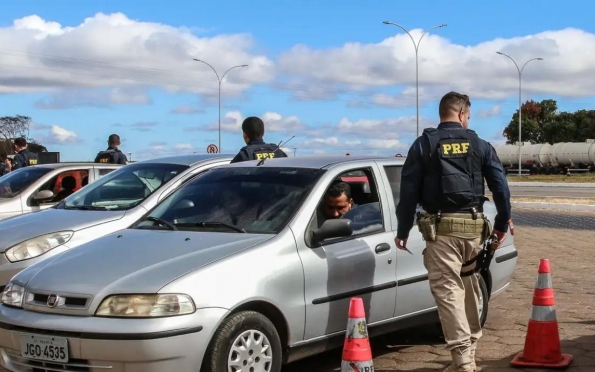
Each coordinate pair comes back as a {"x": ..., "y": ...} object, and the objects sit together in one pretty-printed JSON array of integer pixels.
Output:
[
  {"x": 211, "y": 224},
  {"x": 85, "y": 207},
  {"x": 159, "y": 221}
]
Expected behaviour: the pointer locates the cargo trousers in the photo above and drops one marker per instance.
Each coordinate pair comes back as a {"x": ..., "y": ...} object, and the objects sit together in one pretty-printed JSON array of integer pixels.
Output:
[{"x": 457, "y": 298}]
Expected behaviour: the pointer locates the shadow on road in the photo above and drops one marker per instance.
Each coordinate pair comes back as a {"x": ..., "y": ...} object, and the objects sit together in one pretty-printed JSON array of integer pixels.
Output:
[
  {"x": 414, "y": 346},
  {"x": 381, "y": 346}
]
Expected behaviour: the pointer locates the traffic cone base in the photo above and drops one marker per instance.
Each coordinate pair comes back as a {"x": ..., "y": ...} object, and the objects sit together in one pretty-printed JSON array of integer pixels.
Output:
[
  {"x": 357, "y": 354},
  {"x": 542, "y": 342}
]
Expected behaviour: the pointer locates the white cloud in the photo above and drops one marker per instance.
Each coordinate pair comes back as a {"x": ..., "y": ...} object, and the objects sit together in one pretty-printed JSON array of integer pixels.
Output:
[
  {"x": 186, "y": 110},
  {"x": 569, "y": 56},
  {"x": 273, "y": 122},
  {"x": 160, "y": 149},
  {"x": 488, "y": 113},
  {"x": 53, "y": 135},
  {"x": 112, "y": 50}
]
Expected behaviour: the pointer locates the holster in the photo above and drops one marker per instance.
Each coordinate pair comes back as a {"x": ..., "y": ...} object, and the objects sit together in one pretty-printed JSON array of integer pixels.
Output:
[{"x": 426, "y": 224}]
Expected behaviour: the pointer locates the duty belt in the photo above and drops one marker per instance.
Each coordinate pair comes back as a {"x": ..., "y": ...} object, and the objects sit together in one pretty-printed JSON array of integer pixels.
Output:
[{"x": 484, "y": 257}]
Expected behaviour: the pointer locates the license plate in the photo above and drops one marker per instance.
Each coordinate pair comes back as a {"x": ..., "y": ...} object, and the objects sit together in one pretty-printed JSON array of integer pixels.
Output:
[{"x": 48, "y": 348}]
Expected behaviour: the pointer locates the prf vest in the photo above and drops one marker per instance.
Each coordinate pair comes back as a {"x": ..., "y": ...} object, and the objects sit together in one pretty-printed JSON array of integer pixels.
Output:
[
  {"x": 30, "y": 157},
  {"x": 453, "y": 179},
  {"x": 262, "y": 151},
  {"x": 107, "y": 157}
]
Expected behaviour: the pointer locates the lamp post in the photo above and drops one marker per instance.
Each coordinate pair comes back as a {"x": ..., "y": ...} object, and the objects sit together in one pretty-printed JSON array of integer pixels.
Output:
[
  {"x": 416, "y": 46},
  {"x": 520, "y": 71},
  {"x": 219, "y": 79}
]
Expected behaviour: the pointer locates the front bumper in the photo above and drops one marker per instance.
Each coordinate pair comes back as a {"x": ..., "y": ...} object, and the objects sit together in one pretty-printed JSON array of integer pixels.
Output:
[{"x": 118, "y": 348}]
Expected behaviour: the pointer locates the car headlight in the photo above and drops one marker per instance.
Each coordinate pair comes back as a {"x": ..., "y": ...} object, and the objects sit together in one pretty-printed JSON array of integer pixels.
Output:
[
  {"x": 13, "y": 295},
  {"x": 145, "y": 306},
  {"x": 37, "y": 246}
]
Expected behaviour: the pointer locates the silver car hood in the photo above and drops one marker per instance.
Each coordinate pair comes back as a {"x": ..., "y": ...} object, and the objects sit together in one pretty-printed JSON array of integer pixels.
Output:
[
  {"x": 26, "y": 226},
  {"x": 133, "y": 261}
]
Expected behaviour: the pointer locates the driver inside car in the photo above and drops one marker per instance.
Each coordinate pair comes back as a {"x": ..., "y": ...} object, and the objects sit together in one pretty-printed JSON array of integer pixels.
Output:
[{"x": 234, "y": 208}]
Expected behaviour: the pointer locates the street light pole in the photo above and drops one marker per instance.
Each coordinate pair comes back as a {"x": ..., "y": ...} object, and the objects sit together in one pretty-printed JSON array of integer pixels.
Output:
[
  {"x": 219, "y": 79},
  {"x": 416, "y": 46},
  {"x": 520, "y": 71}
]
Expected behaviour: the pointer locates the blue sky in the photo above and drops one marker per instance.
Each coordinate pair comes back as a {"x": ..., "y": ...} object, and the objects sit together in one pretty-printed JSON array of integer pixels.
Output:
[{"x": 328, "y": 72}]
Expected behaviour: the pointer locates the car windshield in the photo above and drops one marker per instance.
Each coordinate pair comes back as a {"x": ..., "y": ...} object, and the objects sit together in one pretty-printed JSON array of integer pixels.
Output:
[
  {"x": 17, "y": 181},
  {"x": 237, "y": 200},
  {"x": 123, "y": 188}
]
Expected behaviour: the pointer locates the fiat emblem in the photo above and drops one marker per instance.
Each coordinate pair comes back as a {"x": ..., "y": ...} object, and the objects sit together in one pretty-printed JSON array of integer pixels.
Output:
[{"x": 52, "y": 300}]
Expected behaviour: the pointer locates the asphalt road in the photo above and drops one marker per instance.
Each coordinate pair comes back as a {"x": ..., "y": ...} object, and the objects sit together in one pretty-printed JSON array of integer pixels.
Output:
[{"x": 553, "y": 192}]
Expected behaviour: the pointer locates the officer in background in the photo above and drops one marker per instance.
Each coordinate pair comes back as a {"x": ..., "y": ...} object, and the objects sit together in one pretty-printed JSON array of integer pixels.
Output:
[
  {"x": 5, "y": 165},
  {"x": 256, "y": 148},
  {"x": 23, "y": 157},
  {"x": 112, "y": 155},
  {"x": 444, "y": 171}
]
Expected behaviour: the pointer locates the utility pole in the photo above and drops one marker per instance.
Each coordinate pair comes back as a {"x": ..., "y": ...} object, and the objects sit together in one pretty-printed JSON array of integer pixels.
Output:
[{"x": 520, "y": 71}]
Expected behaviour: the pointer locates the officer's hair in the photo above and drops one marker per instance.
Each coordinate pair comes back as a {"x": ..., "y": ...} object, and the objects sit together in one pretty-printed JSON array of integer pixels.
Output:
[
  {"x": 21, "y": 142},
  {"x": 114, "y": 139},
  {"x": 453, "y": 103},
  {"x": 253, "y": 127},
  {"x": 339, "y": 188}
]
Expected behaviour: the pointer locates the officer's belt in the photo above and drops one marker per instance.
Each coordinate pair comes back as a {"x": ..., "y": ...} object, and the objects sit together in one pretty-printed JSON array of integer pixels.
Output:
[{"x": 460, "y": 223}]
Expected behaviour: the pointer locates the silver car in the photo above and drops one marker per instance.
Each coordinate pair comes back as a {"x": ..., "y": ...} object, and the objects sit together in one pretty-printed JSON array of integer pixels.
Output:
[
  {"x": 39, "y": 187},
  {"x": 110, "y": 204},
  {"x": 237, "y": 270}
]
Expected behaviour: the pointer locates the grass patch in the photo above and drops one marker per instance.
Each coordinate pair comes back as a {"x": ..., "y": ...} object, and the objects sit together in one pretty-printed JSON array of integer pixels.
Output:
[
  {"x": 573, "y": 178},
  {"x": 582, "y": 201}
]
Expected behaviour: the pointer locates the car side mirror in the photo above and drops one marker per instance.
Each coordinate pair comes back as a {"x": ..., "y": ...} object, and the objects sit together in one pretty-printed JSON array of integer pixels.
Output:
[
  {"x": 334, "y": 228},
  {"x": 43, "y": 196}
]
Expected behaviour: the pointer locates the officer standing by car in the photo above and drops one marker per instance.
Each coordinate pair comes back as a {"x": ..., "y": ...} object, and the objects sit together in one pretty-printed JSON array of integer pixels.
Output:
[
  {"x": 256, "y": 148},
  {"x": 112, "y": 155},
  {"x": 444, "y": 171},
  {"x": 23, "y": 157}
]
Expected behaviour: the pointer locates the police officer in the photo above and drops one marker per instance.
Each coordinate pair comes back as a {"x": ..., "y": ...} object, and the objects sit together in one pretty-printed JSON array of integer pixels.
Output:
[
  {"x": 23, "y": 157},
  {"x": 112, "y": 155},
  {"x": 5, "y": 165},
  {"x": 256, "y": 148},
  {"x": 444, "y": 171}
]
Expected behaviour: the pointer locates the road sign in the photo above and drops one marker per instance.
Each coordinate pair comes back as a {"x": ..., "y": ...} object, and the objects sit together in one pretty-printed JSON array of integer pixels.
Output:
[{"x": 212, "y": 149}]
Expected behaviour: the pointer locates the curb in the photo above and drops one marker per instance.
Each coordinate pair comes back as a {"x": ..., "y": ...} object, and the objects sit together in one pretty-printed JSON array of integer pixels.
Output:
[
  {"x": 551, "y": 184},
  {"x": 555, "y": 206}
]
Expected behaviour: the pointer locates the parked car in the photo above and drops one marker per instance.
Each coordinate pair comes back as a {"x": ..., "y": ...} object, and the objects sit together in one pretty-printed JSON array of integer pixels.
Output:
[
  {"x": 236, "y": 269},
  {"x": 110, "y": 204},
  {"x": 39, "y": 187}
]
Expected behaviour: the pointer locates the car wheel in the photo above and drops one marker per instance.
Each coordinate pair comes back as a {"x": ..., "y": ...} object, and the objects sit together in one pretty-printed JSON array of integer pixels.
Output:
[
  {"x": 246, "y": 341},
  {"x": 484, "y": 297}
]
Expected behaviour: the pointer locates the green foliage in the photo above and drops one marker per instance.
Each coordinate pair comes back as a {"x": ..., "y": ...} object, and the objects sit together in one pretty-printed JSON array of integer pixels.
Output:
[{"x": 541, "y": 122}]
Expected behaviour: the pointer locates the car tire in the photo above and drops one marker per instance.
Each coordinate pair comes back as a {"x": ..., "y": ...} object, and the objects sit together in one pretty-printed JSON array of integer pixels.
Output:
[
  {"x": 484, "y": 299},
  {"x": 249, "y": 326}
]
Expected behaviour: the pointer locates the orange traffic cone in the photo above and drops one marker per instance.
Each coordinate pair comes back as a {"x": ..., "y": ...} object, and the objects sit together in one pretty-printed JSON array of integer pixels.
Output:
[
  {"x": 357, "y": 354},
  {"x": 542, "y": 342}
]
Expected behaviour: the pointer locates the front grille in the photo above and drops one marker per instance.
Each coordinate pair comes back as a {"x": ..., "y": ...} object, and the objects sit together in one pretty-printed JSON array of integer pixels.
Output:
[
  {"x": 74, "y": 365},
  {"x": 38, "y": 301},
  {"x": 42, "y": 299}
]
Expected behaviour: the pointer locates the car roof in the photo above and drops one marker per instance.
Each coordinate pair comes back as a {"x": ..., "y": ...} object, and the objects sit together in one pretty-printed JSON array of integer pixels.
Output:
[
  {"x": 316, "y": 161},
  {"x": 74, "y": 164},
  {"x": 188, "y": 160}
]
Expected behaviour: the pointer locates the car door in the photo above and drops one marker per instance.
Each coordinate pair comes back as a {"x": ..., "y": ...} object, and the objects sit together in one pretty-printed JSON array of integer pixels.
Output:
[
  {"x": 362, "y": 264},
  {"x": 413, "y": 294},
  {"x": 60, "y": 183}
]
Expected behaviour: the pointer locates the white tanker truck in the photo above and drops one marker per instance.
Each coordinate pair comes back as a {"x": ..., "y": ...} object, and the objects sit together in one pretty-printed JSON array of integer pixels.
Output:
[{"x": 543, "y": 158}]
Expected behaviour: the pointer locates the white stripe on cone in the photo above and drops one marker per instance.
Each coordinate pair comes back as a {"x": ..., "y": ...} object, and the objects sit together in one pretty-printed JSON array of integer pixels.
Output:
[
  {"x": 543, "y": 313},
  {"x": 544, "y": 281},
  {"x": 356, "y": 328},
  {"x": 357, "y": 366}
]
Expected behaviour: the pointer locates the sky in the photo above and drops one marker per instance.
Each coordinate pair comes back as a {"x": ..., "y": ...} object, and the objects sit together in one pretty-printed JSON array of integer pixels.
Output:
[{"x": 325, "y": 76}]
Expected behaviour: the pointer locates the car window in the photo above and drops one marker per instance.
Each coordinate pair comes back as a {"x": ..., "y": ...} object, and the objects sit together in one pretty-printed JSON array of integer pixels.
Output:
[
  {"x": 364, "y": 211},
  {"x": 104, "y": 171},
  {"x": 64, "y": 184},
  {"x": 15, "y": 182},
  {"x": 393, "y": 173},
  {"x": 255, "y": 200},
  {"x": 125, "y": 187}
]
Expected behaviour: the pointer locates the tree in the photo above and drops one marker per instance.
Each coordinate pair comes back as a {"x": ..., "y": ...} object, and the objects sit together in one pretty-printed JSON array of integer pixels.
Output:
[
  {"x": 12, "y": 127},
  {"x": 542, "y": 122}
]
